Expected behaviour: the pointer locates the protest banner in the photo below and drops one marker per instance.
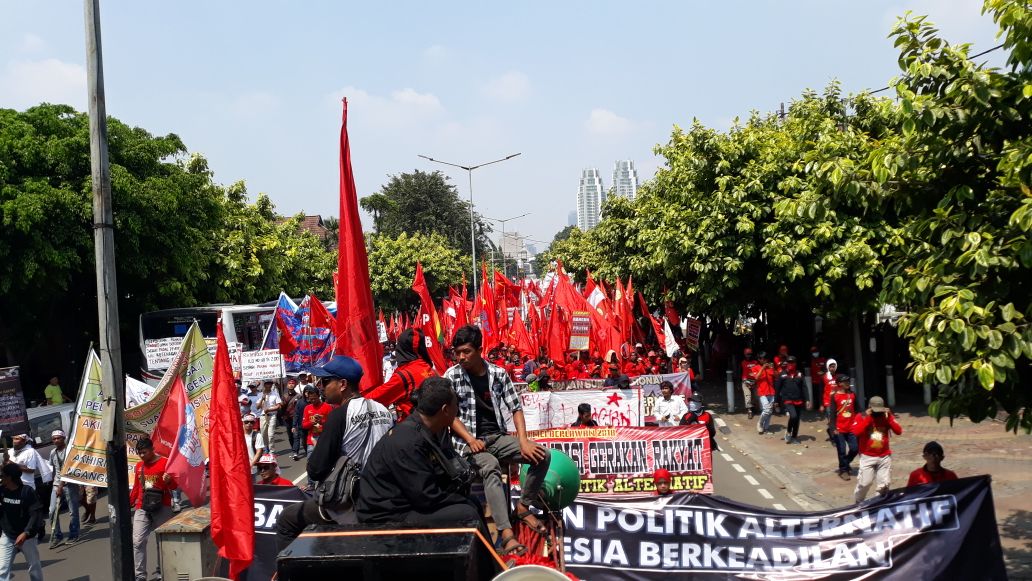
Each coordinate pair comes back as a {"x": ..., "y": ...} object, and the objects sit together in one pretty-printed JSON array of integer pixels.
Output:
[
  {"x": 649, "y": 385},
  {"x": 934, "y": 531},
  {"x": 86, "y": 462},
  {"x": 261, "y": 364},
  {"x": 544, "y": 410},
  {"x": 691, "y": 336},
  {"x": 159, "y": 353},
  {"x": 193, "y": 364},
  {"x": 581, "y": 330},
  {"x": 621, "y": 461},
  {"x": 13, "y": 419},
  {"x": 269, "y": 502}
]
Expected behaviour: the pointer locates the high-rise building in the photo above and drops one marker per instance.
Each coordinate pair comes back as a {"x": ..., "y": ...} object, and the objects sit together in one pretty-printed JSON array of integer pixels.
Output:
[
  {"x": 589, "y": 199},
  {"x": 625, "y": 179}
]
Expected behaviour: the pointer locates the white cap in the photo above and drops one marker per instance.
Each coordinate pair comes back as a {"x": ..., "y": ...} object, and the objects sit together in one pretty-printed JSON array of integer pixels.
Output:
[
  {"x": 248, "y": 418},
  {"x": 268, "y": 459},
  {"x": 57, "y": 433}
]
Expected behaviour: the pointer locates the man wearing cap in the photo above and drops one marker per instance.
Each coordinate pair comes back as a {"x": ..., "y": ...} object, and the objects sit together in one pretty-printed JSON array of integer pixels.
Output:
[
  {"x": 149, "y": 475},
  {"x": 932, "y": 471},
  {"x": 351, "y": 429},
  {"x": 268, "y": 472},
  {"x": 30, "y": 462},
  {"x": 67, "y": 490},
  {"x": 245, "y": 405},
  {"x": 872, "y": 431},
  {"x": 21, "y": 518},
  {"x": 268, "y": 408},
  {"x": 254, "y": 442}
]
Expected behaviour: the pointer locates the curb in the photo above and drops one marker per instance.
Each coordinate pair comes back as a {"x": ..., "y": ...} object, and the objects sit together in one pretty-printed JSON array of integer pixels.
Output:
[{"x": 803, "y": 493}]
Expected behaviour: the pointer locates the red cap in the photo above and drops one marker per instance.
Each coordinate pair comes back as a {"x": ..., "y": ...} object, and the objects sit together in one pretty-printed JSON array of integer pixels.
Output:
[{"x": 661, "y": 474}]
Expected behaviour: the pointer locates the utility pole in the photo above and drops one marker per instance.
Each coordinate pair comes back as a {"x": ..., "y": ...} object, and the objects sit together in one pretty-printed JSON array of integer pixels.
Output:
[{"x": 120, "y": 526}]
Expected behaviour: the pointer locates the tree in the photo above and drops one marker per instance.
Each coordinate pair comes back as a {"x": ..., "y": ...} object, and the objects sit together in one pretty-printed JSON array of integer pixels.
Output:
[
  {"x": 543, "y": 259},
  {"x": 392, "y": 266},
  {"x": 960, "y": 176},
  {"x": 425, "y": 203}
]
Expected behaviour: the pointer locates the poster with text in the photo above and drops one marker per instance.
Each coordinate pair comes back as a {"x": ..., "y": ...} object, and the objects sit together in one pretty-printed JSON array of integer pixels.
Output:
[
  {"x": 86, "y": 462},
  {"x": 13, "y": 419},
  {"x": 543, "y": 410}
]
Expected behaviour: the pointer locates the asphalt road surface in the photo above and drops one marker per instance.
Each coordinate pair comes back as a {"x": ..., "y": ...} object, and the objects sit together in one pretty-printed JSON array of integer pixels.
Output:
[{"x": 735, "y": 476}]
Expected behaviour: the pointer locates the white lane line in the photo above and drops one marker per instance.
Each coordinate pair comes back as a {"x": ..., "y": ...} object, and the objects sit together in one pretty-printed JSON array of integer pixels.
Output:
[
  {"x": 738, "y": 468},
  {"x": 720, "y": 423},
  {"x": 779, "y": 506},
  {"x": 300, "y": 478},
  {"x": 751, "y": 480},
  {"x": 727, "y": 457},
  {"x": 763, "y": 492}
]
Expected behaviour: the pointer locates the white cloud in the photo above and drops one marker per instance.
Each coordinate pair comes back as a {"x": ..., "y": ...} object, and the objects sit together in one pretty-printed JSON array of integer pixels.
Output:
[
  {"x": 607, "y": 123},
  {"x": 32, "y": 43},
  {"x": 27, "y": 83},
  {"x": 512, "y": 87},
  {"x": 254, "y": 105},
  {"x": 401, "y": 108}
]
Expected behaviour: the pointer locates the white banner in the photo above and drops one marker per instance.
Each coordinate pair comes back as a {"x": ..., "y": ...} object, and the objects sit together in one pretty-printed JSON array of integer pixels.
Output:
[
  {"x": 543, "y": 410},
  {"x": 259, "y": 365}
]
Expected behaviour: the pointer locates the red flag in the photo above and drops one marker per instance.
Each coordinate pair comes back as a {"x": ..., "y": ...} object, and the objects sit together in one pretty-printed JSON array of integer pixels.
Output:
[
  {"x": 287, "y": 343},
  {"x": 354, "y": 298},
  {"x": 321, "y": 316},
  {"x": 535, "y": 330},
  {"x": 489, "y": 321},
  {"x": 232, "y": 497},
  {"x": 520, "y": 337},
  {"x": 428, "y": 321},
  {"x": 657, "y": 326},
  {"x": 175, "y": 436}
]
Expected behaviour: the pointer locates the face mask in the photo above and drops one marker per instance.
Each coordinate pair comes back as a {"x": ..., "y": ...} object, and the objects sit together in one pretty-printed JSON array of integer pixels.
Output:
[
  {"x": 694, "y": 406},
  {"x": 816, "y": 354}
]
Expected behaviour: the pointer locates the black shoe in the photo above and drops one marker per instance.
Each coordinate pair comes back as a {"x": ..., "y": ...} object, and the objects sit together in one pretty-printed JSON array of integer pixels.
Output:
[{"x": 750, "y": 414}]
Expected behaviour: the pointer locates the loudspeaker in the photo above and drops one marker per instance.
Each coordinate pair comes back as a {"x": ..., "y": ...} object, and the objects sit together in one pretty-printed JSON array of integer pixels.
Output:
[{"x": 385, "y": 552}]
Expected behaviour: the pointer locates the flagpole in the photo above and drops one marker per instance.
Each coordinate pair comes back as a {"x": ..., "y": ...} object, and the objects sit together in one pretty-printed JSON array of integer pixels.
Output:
[{"x": 120, "y": 526}]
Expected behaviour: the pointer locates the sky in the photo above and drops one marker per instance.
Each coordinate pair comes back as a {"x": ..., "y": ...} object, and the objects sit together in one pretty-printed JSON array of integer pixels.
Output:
[{"x": 256, "y": 86}]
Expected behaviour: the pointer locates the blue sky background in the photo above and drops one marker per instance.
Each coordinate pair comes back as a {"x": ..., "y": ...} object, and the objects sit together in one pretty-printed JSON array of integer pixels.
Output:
[{"x": 255, "y": 86}]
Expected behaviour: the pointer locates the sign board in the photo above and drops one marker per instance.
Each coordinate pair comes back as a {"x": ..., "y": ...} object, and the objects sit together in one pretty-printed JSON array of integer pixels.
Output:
[
  {"x": 581, "y": 330},
  {"x": 621, "y": 461},
  {"x": 13, "y": 419},
  {"x": 691, "y": 336},
  {"x": 261, "y": 364}
]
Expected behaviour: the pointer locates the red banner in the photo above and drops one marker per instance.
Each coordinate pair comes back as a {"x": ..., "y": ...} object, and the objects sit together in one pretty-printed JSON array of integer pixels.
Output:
[{"x": 621, "y": 460}]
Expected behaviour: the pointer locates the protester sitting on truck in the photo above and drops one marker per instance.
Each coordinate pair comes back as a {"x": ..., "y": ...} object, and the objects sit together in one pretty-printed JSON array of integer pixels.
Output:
[{"x": 414, "y": 367}]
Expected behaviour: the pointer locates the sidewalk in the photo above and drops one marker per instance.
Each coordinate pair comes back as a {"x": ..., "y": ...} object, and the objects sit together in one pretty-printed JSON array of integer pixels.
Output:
[{"x": 807, "y": 471}]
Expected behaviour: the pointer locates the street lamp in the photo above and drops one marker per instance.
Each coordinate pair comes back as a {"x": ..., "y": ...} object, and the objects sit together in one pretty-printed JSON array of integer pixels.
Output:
[
  {"x": 472, "y": 226},
  {"x": 502, "y": 222}
]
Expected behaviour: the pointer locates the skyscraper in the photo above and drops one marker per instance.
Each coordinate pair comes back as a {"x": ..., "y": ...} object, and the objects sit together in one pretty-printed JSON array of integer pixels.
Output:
[
  {"x": 589, "y": 199},
  {"x": 625, "y": 179}
]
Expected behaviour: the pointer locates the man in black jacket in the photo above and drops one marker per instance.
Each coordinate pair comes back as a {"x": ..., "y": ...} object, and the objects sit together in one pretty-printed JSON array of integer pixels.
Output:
[
  {"x": 414, "y": 475},
  {"x": 791, "y": 393},
  {"x": 21, "y": 519}
]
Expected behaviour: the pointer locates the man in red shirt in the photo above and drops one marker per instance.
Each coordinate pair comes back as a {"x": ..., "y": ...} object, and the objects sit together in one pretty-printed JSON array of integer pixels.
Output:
[
  {"x": 932, "y": 471},
  {"x": 148, "y": 514},
  {"x": 842, "y": 405},
  {"x": 268, "y": 472},
  {"x": 316, "y": 413},
  {"x": 872, "y": 431},
  {"x": 750, "y": 370},
  {"x": 765, "y": 391}
]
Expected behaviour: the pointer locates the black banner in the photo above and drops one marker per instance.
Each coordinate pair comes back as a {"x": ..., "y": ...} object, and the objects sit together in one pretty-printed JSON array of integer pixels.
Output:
[
  {"x": 13, "y": 419},
  {"x": 269, "y": 502},
  {"x": 936, "y": 531}
]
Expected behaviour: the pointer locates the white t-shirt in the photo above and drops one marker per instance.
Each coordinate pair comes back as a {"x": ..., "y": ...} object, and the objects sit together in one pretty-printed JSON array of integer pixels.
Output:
[
  {"x": 254, "y": 444},
  {"x": 30, "y": 458},
  {"x": 669, "y": 412},
  {"x": 267, "y": 400},
  {"x": 361, "y": 413}
]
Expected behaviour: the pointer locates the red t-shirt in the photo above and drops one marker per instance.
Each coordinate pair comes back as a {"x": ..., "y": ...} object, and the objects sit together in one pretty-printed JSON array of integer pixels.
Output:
[
  {"x": 151, "y": 477},
  {"x": 750, "y": 368},
  {"x": 844, "y": 410},
  {"x": 398, "y": 390},
  {"x": 829, "y": 386},
  {"x": 322, "y": 409},
  {"x": 277, "y": 481},
  {"x": 765, "y": 381},
  {"x": 923, "y": 476},
  {"x": 873, "y": 434}
]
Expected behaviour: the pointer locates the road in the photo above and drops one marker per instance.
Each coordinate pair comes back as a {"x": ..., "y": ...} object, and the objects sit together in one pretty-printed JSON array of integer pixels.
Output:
[{"x": 735, "y": 476}]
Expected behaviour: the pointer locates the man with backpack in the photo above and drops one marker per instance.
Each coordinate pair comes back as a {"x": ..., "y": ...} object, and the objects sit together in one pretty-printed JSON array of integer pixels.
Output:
[{"x": 350, "y": 431}]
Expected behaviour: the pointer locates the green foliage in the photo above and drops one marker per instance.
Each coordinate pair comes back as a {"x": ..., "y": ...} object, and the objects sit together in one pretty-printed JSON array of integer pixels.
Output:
[
  {"x": 392, "y": 266},
  {"x": 960, "y": 175},
  {"x": 180, "y": 239},
  {"x": 421, "y": 202}
]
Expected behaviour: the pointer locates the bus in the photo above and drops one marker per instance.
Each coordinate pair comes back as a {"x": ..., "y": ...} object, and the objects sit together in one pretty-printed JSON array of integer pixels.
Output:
[{"x": 245, "y": 327}]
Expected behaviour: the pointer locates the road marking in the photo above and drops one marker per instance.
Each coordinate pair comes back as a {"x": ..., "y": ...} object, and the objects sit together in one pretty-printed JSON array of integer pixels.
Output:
[
  {"x": 738, "y": 468},
  {"x": 727, "y": 457},
  {"x": 779, "y": 506},
  {"x": 300, "y": 478},
  {"x": 721, "y": 423},
  {"x": 751, "y": 480},
  {"x": 763, "y": 492}
]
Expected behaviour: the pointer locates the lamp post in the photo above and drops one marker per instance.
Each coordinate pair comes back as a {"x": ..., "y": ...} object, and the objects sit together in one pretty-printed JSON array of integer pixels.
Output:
[
  {"x": 472, "y": 224},
  {"x": 502, "y": 222}
]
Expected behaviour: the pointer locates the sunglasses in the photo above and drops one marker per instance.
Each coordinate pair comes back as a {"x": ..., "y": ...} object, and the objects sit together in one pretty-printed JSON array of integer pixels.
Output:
[
  {"x": 248, "y": 421},
  {"x": 266, "y": 467}
]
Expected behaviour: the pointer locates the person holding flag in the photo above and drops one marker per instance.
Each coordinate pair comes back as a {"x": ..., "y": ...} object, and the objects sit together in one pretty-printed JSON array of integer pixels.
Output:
[{"x": 150, "y": 501}]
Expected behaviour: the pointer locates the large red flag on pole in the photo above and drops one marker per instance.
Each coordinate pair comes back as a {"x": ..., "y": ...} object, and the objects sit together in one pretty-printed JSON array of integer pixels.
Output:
[
  {"x": 355, "y": 315},
  {"x": 232, "y": 497},
  {"x": 428, "y": 321}
]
